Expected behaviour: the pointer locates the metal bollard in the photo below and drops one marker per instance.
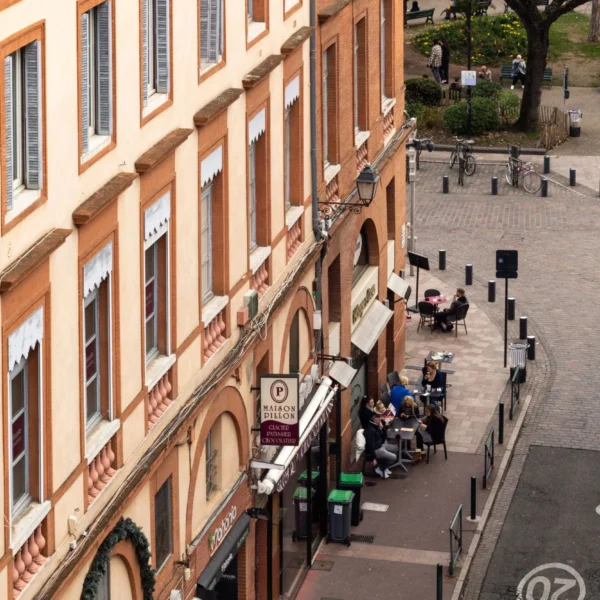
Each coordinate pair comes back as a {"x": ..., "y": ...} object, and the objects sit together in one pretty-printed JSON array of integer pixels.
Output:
[
  {"x": 572, "y": 177},
  {"x": 546, "y": 165},
  {"x": 491, "y": 291},
  {"x": 531, "y": 348},
  {"x": 473, "y": 498},
  {"x": 445, "y": 184},
  {"x": 440, "y": 582},
  {"x": 544, "y": 187},
  {"x": 469, "y": 275},
  {"x": 494, "y": 186},
  {"x": 511, "y": 309},
  {"x": 442, "y": 260},
  {"x": 523, "y": 328},
  {"x": 501, "y": 423}
]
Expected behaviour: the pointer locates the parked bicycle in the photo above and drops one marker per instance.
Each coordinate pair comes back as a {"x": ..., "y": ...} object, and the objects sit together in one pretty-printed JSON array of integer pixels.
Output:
[
  {"x": 463, "y": 150},
  {"x": 519, "y": 172}
]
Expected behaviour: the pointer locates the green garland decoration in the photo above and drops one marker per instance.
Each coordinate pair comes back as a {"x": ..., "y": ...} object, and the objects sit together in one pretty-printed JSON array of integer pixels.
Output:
[{"x": 125, "y": 529}]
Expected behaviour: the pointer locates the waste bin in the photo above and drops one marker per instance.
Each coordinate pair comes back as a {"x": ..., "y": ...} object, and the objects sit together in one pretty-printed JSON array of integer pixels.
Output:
[
  {"x": 518, "y": 358},
  {"x": 575, "y": 123},
  {"x": 340, "y": 515},
  {"x": 301, "y": 511},
  {"x": 303, "y": 480},
  {"x": 354, "y": 483}
]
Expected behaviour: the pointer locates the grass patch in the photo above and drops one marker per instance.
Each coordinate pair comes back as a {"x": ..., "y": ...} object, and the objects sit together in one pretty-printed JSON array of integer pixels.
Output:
[{"x": 568, "y": 36}]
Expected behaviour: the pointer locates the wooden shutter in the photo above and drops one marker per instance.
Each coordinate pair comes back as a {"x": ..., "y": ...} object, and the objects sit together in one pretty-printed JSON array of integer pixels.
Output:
[
  {"x": 213, "y": 31},
  {"x": 204, "y": 30},
  {"x": 145, "y": 56},
  {"x": 162, "y": 46},
  {"x": 104, "y": 68},
  {"x": 32, "y": 56},
  {"x": 8, "y": 132},
  {"x": 85, "y": 83}
]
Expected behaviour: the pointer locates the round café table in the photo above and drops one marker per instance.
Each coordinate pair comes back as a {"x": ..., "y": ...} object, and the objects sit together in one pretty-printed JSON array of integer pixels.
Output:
[{"x": 436, "y": 301}]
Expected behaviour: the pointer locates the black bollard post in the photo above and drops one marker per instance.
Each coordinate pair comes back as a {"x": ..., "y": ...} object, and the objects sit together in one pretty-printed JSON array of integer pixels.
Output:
[
  {"x": 501, "y": 423},
  {"x": 572, "y": 177},
  {"x": 491, "y": 291},
  {"x": 469, "y": 275},
  {"x": 440, "y": 582},
  {"x": 546, "y": 165},
  {"x": 531, "y": 348},
  {"x": 442, "y": 260},
  {"x": 523, "y": 328},
  {"x": 445, "y": 184},
  {"x": 494, "y": 186},
  {"x": 473, "y": 498},
  {"x": 511, "y": 309},
  {"x": 544, "y": 187}
]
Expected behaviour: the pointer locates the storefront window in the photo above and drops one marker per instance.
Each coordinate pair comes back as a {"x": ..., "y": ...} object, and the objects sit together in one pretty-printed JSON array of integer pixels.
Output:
[{"x": 359, "y": 385}]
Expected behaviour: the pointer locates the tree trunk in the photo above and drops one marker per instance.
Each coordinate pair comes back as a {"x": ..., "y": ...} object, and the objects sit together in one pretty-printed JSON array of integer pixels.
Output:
[
  {"x": 595, "y": 22},
  {"x": 537, "y": 48}
]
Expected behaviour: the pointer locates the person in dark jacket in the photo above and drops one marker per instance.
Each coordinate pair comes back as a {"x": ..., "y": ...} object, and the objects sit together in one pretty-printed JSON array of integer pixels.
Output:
[
  {"x": 432, "y": 428},
  {"x": 442, "y": 317},
  {"x": 377, "y": 450},
  {"x": 399, "y": 392},
  {"x": 366, "y": 411},
  {"x": 415, "y": 6},
  {"x": 444, "y": 71},
  {"x": 409, "y": 408}
]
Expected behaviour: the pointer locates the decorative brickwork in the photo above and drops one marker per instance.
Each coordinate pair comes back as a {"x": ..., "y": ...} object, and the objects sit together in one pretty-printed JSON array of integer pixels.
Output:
[
  {"x": 214, "y": 335},
  {"x": 294, "y": 239},
  {"x": 28, "y": 560},
  {"x": 158, "y": 399},
  {"x": 260, "y": 279},
  {"x": 361, "y": 157},
  {"x": 100, "y": 471}
]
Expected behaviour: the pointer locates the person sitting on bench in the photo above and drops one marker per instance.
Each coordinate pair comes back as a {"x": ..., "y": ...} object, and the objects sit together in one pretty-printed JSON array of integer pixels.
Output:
[
  {"x": 414, "y": 7},
  {"x": 443, "y": 317},
  {"x": 377, "y": 450}
]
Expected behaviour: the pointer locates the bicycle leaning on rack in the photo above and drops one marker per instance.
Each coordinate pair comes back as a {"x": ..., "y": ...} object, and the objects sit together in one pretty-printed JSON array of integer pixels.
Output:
[
  {"x": 463, "y": 150},
  {"x": 519, "y": 172}
]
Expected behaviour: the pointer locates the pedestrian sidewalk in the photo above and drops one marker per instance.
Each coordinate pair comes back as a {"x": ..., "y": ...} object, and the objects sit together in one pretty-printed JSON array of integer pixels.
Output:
[{"x": 410, "y": 533}]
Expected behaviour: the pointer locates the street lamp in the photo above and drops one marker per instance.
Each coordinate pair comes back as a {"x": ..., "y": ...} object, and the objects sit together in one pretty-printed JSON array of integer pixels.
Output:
[{"x": 366, "y": 186}]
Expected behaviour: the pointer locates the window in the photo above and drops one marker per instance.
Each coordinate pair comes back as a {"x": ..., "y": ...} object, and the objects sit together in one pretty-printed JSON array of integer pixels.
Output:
[
  {"x": 249, "y": 7},
  {"x": 288, "y": 195},
  {"x": 386, "y": 38},
  {"x": 329, "y": 106},
  {"x": 163, "y": 524},
  {"x": 206, "y": 243},
  {"x": 96, "y": 78},
  {"x": 258, "y": 219},
  {"x": 292, "y": 144},
  {"x": 156, "y": 278},
  {"x": 211, "y": 32},
  {"x": 211, "y": 465},
  {"x": 252, "y": 187},
  {"x": 23, "y": 125},
  {"x": 361, "y": 256},
  {"x": 155, "y": 49},
  {"x": 103, "y": 592},
  {"x": 19, "y": 431},
  {"x": 360, "y": 120},
  {"x": 257, "y": 17},
  {"x": 97, "y": 351},
  {"x": 295, "y": 344}
]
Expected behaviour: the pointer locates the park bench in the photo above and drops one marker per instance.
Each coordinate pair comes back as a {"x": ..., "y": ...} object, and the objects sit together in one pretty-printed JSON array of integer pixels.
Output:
[
  {"x": 419, "y": 14},
  {"x": 479, "y": 10},
  {"x": 505, "y": 73}
]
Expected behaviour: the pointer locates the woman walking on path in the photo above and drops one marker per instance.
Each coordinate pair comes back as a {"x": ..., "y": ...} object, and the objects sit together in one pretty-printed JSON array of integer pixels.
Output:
[
  {"x": 519, "y": 68},
  {"x": 444, "y": 71}
]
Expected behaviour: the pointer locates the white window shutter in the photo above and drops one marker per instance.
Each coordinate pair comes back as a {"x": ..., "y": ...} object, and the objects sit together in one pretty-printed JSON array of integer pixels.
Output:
[
  {"x": 221, "y": 28},
  {"x": 213, "y": 31},
  {"x": 145, "y": 57},
  {"x": 162, "y": 46},
  {"x": 85, "y": 83},
  {"x": 204, "y": 30},
  {"x": 33, "y": 115},
  {"x": 8, "y": 130},
  {"x": 104, "y": 62}
]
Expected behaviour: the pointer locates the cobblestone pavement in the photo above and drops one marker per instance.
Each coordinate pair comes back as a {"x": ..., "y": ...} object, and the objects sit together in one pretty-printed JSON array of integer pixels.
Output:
[{"x": 557, "y": 289}]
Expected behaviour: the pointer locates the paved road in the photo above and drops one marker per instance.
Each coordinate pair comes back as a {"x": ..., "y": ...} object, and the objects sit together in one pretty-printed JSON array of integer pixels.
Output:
[{"x": 559, "y": 290}]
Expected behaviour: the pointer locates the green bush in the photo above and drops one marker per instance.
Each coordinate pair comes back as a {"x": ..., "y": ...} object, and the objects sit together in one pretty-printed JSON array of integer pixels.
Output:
[
  {"x": 423, "y": 90},
  {"x": 509, "y": 106},
  {"x": 415, "y": 109},
  {"x": 495, "y": 39},
  {"x": 486, "y": 89},
  {"x": 484, "y": 116}
]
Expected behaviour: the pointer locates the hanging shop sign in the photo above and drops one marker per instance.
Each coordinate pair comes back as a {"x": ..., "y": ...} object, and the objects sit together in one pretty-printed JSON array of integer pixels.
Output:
[
  {"x": 218, "y": 535},
  {"x": 279, "y": 410}
]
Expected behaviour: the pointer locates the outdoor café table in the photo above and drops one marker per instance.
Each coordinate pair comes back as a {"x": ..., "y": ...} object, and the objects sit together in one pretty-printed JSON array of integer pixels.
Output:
[
  {"x": 425, "y": 394},
  {"x": 440, "y": 357},
  {"x": 436, "y": 301},
  {"x": 403, "y": 431}
]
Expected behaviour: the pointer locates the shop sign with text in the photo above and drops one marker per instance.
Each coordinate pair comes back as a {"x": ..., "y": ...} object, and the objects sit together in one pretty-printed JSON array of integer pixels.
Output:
[
  {"x": 279, "y": 410},
  {"x": 216, "y": 538}
]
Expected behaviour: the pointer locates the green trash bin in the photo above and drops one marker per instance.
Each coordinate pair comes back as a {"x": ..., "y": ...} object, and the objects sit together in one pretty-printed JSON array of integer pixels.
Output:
[
  {"x": 301, "y": 512},
  {"x": 303, "y": 479},
  {"x": 354, "y": 483},
  {"x": 340, "y": 513}
]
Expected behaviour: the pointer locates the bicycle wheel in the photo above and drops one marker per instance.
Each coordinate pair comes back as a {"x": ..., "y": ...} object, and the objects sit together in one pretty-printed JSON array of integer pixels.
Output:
[
  {"x": 470, "y": 164},
  {"x": 532, "y": 182},
  {"x": 453, "y": 157},
  {"x": 509, "y": 173}
]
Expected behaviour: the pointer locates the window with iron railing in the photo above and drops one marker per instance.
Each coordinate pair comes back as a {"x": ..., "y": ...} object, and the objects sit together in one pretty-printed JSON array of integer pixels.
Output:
[{"x": 211, "y": 467}]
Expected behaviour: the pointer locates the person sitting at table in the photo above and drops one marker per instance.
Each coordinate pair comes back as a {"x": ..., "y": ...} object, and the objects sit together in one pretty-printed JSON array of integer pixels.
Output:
[
  {"x": 366, "y": 410},
  {"x": 431, "y": 427},
  {"x": 399, "y": 392},
  {"x": 443, "y": 317},
  {"x": 377, "y": 450},
  {"x": 409, "y": 408},
  {"x": 433, "y": 378}
]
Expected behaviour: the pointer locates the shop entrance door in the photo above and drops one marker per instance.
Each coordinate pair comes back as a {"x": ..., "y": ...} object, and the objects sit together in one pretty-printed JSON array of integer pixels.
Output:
[
  {"x": 227, "y": 586},
  {"x": 358, "y": 386}
]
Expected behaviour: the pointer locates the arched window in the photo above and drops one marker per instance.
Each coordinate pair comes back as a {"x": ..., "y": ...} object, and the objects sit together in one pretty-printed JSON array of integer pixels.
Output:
[{"x": 361, "y": 255}]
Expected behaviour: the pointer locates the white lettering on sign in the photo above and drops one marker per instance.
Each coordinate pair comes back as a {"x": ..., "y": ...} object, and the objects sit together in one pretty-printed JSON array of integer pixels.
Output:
[
  {"x": 535, "y": 586},
  {"x": 279, "y": 410},
  {"x": 218, "y": 535}
]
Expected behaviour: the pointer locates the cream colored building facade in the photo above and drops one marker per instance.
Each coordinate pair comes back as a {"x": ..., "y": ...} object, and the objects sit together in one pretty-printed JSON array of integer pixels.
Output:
[{"x": 154, "y": 171}]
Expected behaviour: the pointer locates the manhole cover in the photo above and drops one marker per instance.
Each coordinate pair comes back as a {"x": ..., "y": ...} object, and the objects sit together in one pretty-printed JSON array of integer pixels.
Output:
[
  {"x": 375, "y": 507},
  {"x": 322, "y": 565},
  {"x": 362, "y": 539}
]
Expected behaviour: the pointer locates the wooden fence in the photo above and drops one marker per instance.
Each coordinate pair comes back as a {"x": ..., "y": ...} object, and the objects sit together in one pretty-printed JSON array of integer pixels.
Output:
[{"x": 555, "y": 126}]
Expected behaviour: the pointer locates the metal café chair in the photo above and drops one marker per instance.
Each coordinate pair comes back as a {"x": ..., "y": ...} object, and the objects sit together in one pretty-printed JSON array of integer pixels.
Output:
[
  {"x": 393, "y": 379},
  {"x": 461, "y": 317},
  {"x": 426, "y": 312},
  {"x": 432, "y": 292}
]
